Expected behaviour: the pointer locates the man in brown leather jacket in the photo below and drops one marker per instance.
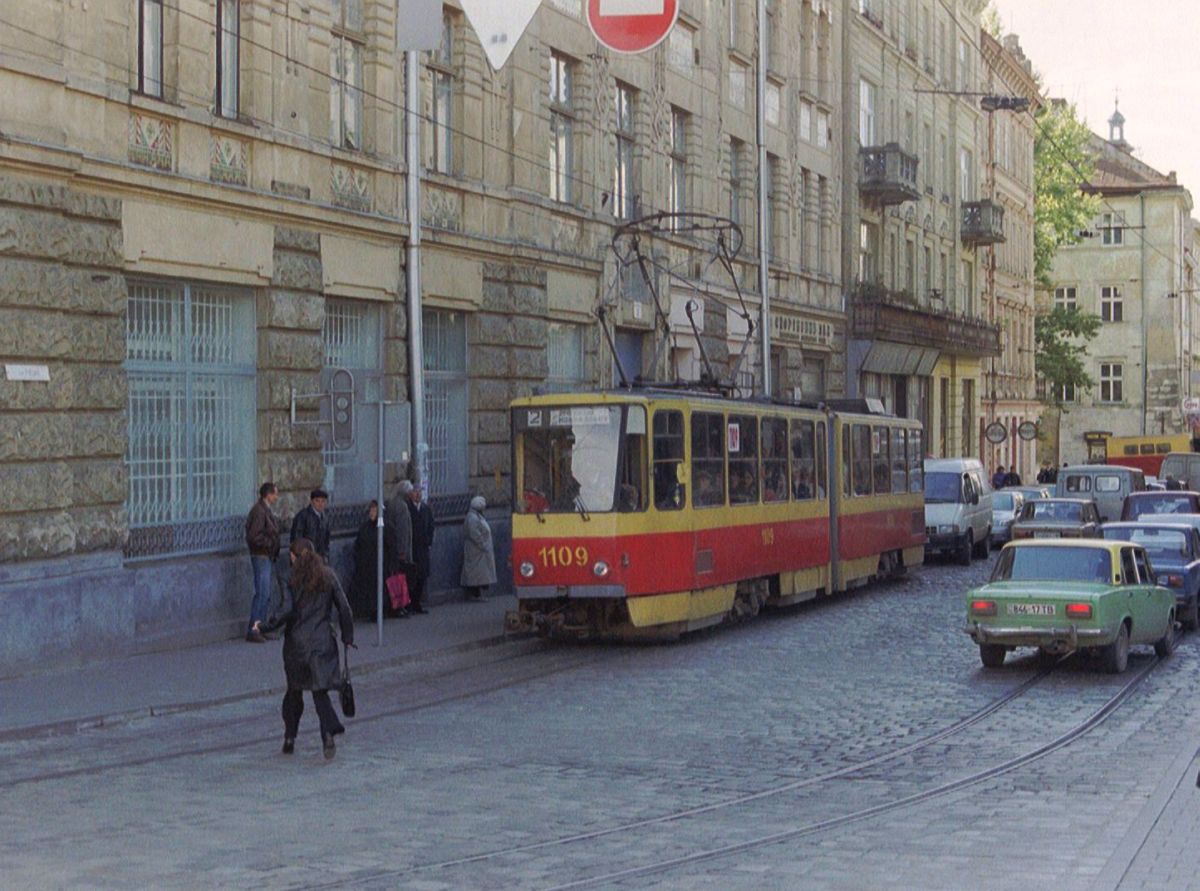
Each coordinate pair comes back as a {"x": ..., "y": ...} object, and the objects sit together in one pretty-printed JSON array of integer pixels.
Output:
[{"x": 262, "y": 538}]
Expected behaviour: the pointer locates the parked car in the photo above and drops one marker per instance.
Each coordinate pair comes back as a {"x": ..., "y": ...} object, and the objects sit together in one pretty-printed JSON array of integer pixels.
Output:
[
  {"x": 958, "y": 507},
  {"x": 1032, "y": 492},
  {"x": 1159, "y": 504},
  {"x": 1174, "y": 551},
  {"x": 1006, "y": 504},
  {"x": 1057, "y": 518},
  {"x": 1062, "y": 596},
  {"x": 1106, "y": 484}
]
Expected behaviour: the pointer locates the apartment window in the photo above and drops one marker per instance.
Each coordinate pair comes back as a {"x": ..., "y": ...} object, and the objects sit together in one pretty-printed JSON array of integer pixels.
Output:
[
  {"x": 562, "y": 128},
  {"x": 1111, "y": 305},
  {"x": 910, "y": 266},
  {"x": 441, "y": 71},
  {"x": 734, "y": 24},
  {"x": 445, "y": 335},
  {"x": 927, "y": 267},
  {"x": 806, "y": 121},
  {"x": 1068, "y": 393},
  {"x": 868, "y": 252},
  {"x": 679, "y": 149},
  {"x": 866, "y": 113},
  {"x": 1112, "y": 228},
  {"x": 945, "y": 277},
  {"x": 772, "y": 37},
  {"x": 352, "y": 335},
  {"x": 966, "y": 284},
  {"x": 681, "y": 47},
  {"x": 927, "y": 156},
  {"x": 737, "y": 84},
  {"x": 564, "y": 356},
  {"x": 1110, "y": 382},
  {"x": 822, "y": 129},
  {"x": 966, "y": 175},
  {"x": 1064, "y": 298},
  {"x": 190, "y": 361},
  {"x": 150, "y": 47},
  {"x": 623, "y": 167},
  {"x": 737, "y": 160},
  {"x": 964, "y": 66},
  {"x": 345, "y": 74},
  {"x": 773, "y": 104},
  {"x": 228, "y": 57}
]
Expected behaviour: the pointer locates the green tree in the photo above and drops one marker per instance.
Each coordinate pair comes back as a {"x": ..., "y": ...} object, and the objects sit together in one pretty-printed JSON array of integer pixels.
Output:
[
  {"x": 1062, "y": 165},
  {"x": 1060, "y": 343},
  {"x": 991, "y": 20}
]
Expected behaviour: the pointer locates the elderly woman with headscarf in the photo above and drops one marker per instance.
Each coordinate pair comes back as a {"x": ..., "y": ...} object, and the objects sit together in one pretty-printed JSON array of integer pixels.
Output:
[{"x": 479, "y": 560}]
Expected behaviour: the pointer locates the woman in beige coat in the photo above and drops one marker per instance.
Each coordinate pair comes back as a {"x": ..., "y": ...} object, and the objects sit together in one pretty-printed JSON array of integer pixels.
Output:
[{"x": 479, "y": 561}]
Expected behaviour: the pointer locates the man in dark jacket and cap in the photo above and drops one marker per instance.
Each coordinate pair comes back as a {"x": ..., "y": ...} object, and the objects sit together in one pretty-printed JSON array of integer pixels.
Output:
[
  {"x": 422, "y": 541},
  {"x": 312, "y": 524}
]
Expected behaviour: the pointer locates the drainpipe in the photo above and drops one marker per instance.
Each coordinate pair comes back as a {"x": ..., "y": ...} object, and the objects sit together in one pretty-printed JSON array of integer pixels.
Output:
[
  {"x": 760, "y": 137},
  {"x": 1142, "y": 285},
  {"x": 416, "y": 350}
]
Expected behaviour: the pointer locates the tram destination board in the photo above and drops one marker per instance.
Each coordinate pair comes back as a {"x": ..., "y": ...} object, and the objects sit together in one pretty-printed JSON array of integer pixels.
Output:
[{"x": 572, "y": 416}]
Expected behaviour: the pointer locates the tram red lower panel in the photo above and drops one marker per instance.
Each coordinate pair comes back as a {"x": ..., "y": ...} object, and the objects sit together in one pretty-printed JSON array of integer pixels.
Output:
[{"x": 867, "y": 534}]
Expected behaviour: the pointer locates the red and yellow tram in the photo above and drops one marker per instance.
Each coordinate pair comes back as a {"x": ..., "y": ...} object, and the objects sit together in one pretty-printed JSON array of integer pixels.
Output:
[{"x": 649, "y": 513}]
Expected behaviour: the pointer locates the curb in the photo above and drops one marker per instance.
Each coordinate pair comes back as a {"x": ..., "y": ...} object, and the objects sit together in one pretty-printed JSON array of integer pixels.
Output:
[{"x": 71, "y": 726}]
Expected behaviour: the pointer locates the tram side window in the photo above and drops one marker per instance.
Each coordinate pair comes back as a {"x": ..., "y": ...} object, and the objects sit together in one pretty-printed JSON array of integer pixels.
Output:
[
  {"x": 669, "y": 493},
  {"x": 820, "y": 477},
  {"x": 916, "y": 461},
  {"x": 802, "y": 461},
  {"x": 899, "y": 462},
  {"x": 708, "y": 459},
  {"x": 632, "y": 483},
  {"x": 743, "y": 459},
  {"x": 881, "y": 462},
  {"x": 861, "y": 443},
  {"x": 774, "y": 459}
]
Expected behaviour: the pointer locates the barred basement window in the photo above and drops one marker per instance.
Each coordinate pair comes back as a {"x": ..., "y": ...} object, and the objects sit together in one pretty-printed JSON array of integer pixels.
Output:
[
  {"x": 353, "y": 340},
  {"x": 190, "y": 359},
  {"x": 445, "y": 335}
]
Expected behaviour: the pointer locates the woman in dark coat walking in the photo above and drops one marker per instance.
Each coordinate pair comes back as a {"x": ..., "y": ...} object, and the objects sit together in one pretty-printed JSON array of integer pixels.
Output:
[
  {"x": 366, "y": 552},
  {"x": 310, "y": 650}
]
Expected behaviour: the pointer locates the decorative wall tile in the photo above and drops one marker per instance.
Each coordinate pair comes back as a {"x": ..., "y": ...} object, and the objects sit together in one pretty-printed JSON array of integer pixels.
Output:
[
  {"x": 151, "y": 141},
  {"x": 229, "y": 160},
  {"x": 443, "y": 208},
  {"x": 351, "y": 188}
]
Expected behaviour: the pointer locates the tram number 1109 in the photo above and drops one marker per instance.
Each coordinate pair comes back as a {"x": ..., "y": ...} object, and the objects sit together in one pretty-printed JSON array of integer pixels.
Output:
[{"x": 563, "y": 556}]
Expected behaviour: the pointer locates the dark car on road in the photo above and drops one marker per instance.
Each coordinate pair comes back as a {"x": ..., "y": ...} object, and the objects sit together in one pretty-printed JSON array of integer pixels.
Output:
[
  {"x": 1057, "y": 518},
  {"x": 1174, "y": 551},
  {"x": 1159, "y": 504}
]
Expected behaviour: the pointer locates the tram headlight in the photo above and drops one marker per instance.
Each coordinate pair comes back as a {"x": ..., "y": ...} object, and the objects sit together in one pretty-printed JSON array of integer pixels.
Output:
[
  {"x": 600, "y": 569},
  {"x": 526, "y": 569}
]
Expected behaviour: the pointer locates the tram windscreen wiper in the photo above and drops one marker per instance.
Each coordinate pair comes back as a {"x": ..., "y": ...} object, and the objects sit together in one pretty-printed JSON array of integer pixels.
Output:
[{"x": 582, "y": 508}]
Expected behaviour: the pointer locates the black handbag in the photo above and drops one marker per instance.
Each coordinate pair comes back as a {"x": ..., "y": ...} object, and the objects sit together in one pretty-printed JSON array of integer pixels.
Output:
[{"x": 346, "y": 689}]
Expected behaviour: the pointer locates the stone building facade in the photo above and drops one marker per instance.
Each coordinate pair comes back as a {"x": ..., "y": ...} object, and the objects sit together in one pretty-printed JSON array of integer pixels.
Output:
[
  {"x": 1136, "y": 270},
  {"x": 912, "y": 170},
  {"x": 1006, "y": 215}
]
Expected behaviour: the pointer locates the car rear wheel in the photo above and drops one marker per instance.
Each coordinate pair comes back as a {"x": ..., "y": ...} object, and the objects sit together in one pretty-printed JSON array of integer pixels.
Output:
[
  {"x": 1165, "y": 646},
  {"x": 992, "y": 655},
  {"x": 1115, "y": 656},
  {"x": 964, "y": 553},
  {"x": 984, "y": 547}
]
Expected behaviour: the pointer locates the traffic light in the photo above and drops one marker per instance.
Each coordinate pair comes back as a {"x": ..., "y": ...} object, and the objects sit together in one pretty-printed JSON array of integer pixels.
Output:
[{"x": 341, "y": 409}]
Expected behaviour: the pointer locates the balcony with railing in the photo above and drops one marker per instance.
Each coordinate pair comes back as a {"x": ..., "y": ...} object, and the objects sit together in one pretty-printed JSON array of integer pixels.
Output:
[
  {"x": 889, "y": 174},
  {"x": 879, "y": 313},
  {"x": 982, "y": 223}
]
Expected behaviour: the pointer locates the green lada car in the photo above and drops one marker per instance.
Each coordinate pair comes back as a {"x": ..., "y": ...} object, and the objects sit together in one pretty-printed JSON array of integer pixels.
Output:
[{"x": 1071, "y": 594}]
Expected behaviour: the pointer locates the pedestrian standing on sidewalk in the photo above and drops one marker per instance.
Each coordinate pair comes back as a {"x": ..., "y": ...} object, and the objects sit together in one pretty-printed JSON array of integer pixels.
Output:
[
  {"x": 310, "y": 649},
  {"x": 399, "y": 521},
  {"x": 262, "y": 539},
  {"x": 479, "y": 562},
  {"x": 366, "y": 554},
  {"x": 311, "y": 523},
  {"x": 422, "y": 541}
]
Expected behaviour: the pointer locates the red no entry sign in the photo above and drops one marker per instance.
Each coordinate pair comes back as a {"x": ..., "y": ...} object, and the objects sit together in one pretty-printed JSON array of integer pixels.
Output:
[{"x": 631, "y": 26}]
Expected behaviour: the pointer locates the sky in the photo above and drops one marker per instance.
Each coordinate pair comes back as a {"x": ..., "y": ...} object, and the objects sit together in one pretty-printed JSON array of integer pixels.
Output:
[{"x": 1147, "y": 51}]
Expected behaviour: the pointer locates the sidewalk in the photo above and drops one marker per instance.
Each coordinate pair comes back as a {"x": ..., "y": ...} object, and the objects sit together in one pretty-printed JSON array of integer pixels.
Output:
[{"x": 66, "y": 700}]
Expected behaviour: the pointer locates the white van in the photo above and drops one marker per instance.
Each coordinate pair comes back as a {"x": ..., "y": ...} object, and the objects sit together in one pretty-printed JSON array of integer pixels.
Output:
[{"x": 958, "y": 508}]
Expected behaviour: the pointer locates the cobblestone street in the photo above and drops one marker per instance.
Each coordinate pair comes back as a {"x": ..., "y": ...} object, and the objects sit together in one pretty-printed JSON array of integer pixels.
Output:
[{"x": 724, "y": 761}]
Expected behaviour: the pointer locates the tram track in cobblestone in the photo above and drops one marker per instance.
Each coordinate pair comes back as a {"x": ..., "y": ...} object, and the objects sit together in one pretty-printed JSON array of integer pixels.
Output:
[
  {"x": 1063, "y": 740},
  {"x": 925, "y": 742},
  {"x": 562, "y": 661}
]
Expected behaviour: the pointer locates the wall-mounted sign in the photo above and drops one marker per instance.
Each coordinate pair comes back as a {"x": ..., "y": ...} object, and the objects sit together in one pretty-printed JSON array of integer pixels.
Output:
[
  {"x": 1027, "y": 430},
  {"x": 995, "y": 433},
  {"x": 27, "y": 373},
  {"x": 631, "y": 26},
  {"x": 799, "y": 329}
]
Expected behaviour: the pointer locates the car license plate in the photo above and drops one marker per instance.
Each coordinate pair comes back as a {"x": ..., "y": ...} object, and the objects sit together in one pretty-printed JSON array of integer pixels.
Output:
[
  {"x": 1031, "y": 609},
  {"x": 1045, "y": 535}
]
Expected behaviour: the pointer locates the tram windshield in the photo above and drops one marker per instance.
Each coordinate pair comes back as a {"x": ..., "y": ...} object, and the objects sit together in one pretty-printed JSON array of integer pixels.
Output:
[{"x": 569, "y": 459}]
